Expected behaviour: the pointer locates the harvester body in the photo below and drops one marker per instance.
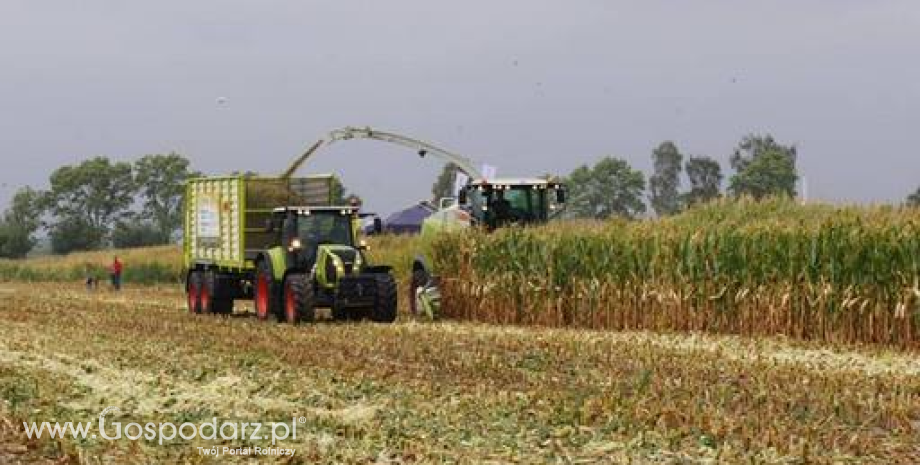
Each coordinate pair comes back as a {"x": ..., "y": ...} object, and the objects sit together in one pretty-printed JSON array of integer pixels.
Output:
[{"x": 487, "y": 204}]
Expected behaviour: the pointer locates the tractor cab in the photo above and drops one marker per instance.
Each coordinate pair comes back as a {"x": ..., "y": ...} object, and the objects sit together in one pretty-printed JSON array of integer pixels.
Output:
[
  {"x": 300, "y": 227},
  {"x": 502, "y": 202},
  {"x": 304, "y": 231}
]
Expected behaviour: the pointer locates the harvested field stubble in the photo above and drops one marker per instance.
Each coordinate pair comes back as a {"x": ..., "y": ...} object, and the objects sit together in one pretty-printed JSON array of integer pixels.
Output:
[
  {"x": 450, "y": 391},
  {"x": 812, "y": 272}
]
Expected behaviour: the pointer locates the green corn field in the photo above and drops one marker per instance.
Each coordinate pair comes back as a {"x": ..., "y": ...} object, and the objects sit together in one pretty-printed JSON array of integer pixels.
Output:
[{"x": 843, "y": 274}]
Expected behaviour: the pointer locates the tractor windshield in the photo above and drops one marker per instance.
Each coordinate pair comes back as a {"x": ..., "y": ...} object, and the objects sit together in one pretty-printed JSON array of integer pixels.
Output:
[
  {"x": 324, "y": 227},
  {"x": 516, "y": 204}
]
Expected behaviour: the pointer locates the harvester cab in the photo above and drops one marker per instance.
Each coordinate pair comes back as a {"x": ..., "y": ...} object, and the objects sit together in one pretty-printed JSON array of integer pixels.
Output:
[
  {"x": 498, "y": 203},
  {"x": 503, "y": 202}
]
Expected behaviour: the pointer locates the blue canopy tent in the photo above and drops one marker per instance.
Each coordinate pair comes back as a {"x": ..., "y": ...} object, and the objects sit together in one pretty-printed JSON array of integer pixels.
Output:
[{"x": 408, "y": 221}]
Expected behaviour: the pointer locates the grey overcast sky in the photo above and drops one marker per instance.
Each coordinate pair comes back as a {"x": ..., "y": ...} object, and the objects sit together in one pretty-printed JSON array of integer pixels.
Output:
[{"x": 530, "y": 86}]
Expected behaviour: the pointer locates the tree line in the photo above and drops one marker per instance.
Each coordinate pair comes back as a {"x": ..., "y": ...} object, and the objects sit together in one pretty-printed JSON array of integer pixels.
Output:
[
  {"x": 101, "y": 203},
  {"x": 762, "y": 167}
]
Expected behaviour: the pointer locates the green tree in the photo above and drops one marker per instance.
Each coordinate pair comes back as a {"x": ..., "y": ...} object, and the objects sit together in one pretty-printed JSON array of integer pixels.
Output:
[
  {"x": 768, "y": 175},
  {"x": 705, "y": 175},
  {"x": 581, "y": 193},
  {"x": 763, "y": 168},
  {"x": 754, "y": 145},
  {"x": 913, "y": 200},
  {"x": 161, "y": 184},
  {"x": 73, "y": 234},
  {"x": 444, "y": 185},
  {"x": 340, "y": 195},
  {"x": 20, "y": 222},
  {"x": 89, "y": 199},
  {"x": 245, "y": 174},
  {"x": 128, "y": 234},
  {"x": 610, "y": 188},
  {"x": 664, "y": 184}
]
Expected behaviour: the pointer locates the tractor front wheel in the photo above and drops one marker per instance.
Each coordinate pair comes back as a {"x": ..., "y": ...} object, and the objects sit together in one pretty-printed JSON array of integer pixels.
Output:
[
  {"x": 340, "y": 313},
  {"x": 385, "y": 305},
  {"x": 298, "y": 299}
]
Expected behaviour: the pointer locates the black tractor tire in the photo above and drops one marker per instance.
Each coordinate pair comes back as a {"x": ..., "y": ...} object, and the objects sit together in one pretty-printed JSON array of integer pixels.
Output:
[
  {"x": 385, "y": 308},
  {"x": 223, "y": 306},
  {"x": 206, "y": 295},
  {"x": 214, "y": 304},
  {"x": 267, "y": 303},
  {"x": 193, "y": 292},
  {"x": 347, "y": 314},
  {"x": 298, "y": 299},
  {"x": 419, "y": 279},
  {"x": 340, "y": 313}
]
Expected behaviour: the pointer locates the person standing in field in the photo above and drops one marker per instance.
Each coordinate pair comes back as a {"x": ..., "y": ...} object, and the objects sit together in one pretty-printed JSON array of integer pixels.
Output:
[{"x": 115, "y": 273}]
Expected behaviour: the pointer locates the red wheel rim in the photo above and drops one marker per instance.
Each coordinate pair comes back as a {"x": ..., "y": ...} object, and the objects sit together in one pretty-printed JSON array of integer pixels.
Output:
[
  {"x": 289, "y": 303},
  {"x": 205, "y": 298},
  {"x": 262, "y": 297},
  {"x": 192, "y": 297}
]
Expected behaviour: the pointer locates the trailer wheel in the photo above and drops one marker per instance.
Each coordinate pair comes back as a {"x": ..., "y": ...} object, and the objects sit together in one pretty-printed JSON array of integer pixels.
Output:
[
  {"x": 264, "y": 296},
  {"x": 298, "y": 299},
  {"x": 223, "y": 306},
  {"x": 385, "y": 306},
  {"x": 419, "y": 279},
  {"x": 193, "y": 292},
  {"x": 210, "y": 303},
  {"x": 206, "y": 293}
]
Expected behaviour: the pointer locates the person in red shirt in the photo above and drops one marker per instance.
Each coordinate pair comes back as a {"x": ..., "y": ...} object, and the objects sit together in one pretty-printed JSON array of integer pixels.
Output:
[{"x": 115, "y": 272}]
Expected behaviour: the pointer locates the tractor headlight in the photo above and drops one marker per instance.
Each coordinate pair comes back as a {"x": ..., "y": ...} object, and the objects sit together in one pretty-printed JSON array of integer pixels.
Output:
[
  {"x": 339, "y": 265},
  {"x": 296, "y": 244}
]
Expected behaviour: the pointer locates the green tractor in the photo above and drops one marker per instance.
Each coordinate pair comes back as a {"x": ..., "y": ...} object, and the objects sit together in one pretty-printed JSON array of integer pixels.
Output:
[
  {"x": 298, "y": 259},
  {"x": 320, "y": 263}
]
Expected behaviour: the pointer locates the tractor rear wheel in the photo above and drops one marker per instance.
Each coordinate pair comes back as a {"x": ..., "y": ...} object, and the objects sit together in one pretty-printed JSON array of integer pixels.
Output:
[
  {"x": 298, "y": 299},
  {"x": 193, "y": 292},
  {"x": 265, "y": 301},
  {"x": 385, "y": 306}
]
